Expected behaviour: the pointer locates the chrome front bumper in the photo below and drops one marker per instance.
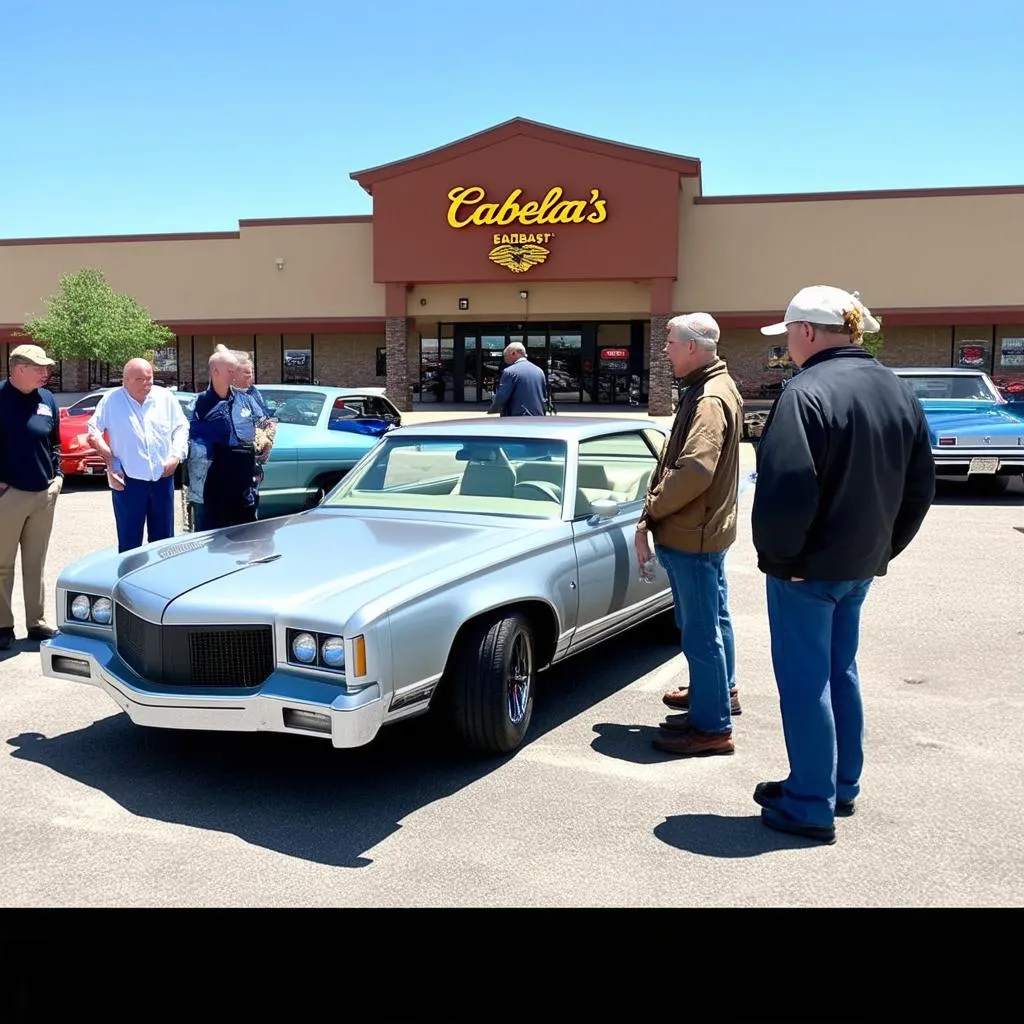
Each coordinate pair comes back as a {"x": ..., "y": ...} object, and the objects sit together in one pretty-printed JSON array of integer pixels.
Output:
[{"x": 284, "y": 703}]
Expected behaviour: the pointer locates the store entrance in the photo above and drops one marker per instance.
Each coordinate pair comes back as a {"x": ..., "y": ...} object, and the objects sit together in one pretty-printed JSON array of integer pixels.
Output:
[
  {"x": 585, "y": 363},
  {"x": 478, "y": 359}
]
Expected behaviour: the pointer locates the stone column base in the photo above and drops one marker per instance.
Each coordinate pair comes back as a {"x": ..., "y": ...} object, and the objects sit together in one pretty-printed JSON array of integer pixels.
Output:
[
  {"x": 397, "y": 359},
  {"x": 659, "y": 381}
]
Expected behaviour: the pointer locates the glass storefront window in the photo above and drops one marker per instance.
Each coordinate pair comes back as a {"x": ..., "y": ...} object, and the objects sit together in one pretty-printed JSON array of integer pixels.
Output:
[
  {"x": 613, "y": 364},
  {"x": 436, "y": 369},
  {"x": 1008, "y": 372},
  {"x": 565, "y": 378},
  {"x": 1011, "y": 354},
  {"x": 298, "y": 368},
  {"x": 165, "y": 364}
]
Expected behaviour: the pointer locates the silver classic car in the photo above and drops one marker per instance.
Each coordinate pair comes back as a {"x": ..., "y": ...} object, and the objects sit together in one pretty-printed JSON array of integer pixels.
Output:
[{"x": 453, "y": 563}]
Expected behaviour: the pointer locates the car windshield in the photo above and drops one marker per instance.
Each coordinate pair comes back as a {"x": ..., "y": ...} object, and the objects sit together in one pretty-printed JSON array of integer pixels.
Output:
[
  {"x": 483, "y": 476},
  {"x": 946, "y": 386},
  {"x": 85, "y": 405},
  {"x": 299, "y": 407}
]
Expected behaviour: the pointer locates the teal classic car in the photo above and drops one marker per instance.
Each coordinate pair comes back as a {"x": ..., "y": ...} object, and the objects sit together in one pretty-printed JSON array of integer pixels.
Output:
[
  {"x": 977, "y": 436},
  {"x": 321, "y": 433}
]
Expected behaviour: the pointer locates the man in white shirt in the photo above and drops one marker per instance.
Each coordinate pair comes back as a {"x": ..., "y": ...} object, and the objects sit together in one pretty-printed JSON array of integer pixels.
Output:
[{"x": 148, "y": 438}]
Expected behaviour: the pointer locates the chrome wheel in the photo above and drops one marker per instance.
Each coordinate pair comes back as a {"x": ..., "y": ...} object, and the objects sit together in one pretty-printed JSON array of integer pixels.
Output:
[{"x": 520, "y": 677}]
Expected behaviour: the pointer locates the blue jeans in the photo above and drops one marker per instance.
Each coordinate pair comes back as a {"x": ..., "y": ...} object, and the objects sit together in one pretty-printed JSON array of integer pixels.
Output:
[
  {"x": 815, "y": 628},
  {"x": 143, "y": 503},
  {"x": 701, "y": 598}
]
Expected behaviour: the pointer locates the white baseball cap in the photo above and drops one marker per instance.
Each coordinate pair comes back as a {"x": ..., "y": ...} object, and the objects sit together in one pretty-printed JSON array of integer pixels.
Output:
[{"x": 823, "y": 304}]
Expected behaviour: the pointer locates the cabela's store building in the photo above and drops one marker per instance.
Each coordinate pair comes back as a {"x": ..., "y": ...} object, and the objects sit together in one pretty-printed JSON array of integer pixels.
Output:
[{"x": 579, "y": 247}]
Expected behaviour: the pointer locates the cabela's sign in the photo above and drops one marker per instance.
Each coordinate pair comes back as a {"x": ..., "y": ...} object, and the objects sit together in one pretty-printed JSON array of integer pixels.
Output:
[{"x": 517, "y": 250}]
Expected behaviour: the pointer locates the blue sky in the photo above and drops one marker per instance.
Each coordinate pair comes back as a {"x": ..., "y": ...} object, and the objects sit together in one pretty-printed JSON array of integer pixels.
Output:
[{"x": 122, "y": 116}]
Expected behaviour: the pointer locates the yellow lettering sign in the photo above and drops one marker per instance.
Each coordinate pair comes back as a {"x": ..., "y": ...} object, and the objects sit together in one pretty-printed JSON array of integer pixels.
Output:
[
  {"x": 514, "y": 239},
  {"x": 467, "y": 208}
]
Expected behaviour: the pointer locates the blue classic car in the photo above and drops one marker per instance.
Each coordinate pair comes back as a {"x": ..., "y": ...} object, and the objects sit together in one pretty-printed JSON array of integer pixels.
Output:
[
  {"x": 976, "y": 434},
  {"x": 322, "y": 432}
]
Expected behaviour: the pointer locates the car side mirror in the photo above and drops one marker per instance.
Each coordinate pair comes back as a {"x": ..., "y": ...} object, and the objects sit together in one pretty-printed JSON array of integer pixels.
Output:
[
  {"x": 62, "y": 412},
  {"x": 604, "y": 508}
]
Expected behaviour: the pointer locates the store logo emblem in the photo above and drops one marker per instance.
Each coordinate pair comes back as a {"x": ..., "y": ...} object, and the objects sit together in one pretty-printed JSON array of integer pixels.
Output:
[{"x": 518, "y": 258}]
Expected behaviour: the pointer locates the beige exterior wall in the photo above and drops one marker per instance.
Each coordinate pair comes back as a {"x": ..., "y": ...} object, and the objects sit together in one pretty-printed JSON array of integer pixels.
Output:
[
  {"x": 327, "y": 272},
  {"x": 899, "y": 252},
  {"x": 906, "y": 252},
  {"x": 617, "y": 300}
]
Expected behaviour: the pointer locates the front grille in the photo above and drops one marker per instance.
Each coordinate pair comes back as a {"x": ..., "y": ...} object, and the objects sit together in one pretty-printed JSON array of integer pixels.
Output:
[{"x": 221, "y": 656}]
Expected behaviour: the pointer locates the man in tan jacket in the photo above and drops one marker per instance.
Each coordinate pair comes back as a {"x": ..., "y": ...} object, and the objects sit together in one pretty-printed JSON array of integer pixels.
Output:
[{"x": 691, "y": 511}]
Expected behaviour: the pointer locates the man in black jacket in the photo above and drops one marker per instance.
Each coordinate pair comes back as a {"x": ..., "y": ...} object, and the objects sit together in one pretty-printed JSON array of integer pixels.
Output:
[{"x": 845, "y": 477}]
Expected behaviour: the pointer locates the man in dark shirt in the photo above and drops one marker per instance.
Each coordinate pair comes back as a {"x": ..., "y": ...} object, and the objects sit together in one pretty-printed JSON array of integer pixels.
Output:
[
  {"x": 845, "y": 477},
  {"x": 30, "y": 480},
  {"x": 222, "y": 437}
]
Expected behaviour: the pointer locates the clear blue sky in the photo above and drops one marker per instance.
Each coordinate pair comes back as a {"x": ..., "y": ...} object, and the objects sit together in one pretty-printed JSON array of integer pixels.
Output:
[{"x": 121, "y": 116}]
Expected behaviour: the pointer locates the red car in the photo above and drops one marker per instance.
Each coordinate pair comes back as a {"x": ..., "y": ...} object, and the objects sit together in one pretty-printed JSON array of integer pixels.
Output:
[{"x": 76, "y": 457}]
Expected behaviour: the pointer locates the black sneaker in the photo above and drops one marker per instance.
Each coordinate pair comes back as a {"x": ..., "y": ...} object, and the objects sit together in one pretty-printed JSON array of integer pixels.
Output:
[
  {"x": 6, "y": 638},
  {"x": 780, "y": 822},
  {"x": 42, "y": 633},
  {"x": 768, "y": 793}
]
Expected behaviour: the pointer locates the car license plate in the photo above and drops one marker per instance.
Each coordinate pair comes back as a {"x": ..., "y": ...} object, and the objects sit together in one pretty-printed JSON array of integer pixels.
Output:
[
  {"x": 983, "y": 466},
  {"x": 92, "y": 469}
]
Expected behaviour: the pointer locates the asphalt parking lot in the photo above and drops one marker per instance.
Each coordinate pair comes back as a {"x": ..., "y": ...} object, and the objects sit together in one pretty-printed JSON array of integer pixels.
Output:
[{"x": 98, "y": 812}]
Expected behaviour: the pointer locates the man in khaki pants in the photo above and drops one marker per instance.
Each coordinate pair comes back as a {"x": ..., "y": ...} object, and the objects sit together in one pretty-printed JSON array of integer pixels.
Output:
[{"x": 30, "y": 480}]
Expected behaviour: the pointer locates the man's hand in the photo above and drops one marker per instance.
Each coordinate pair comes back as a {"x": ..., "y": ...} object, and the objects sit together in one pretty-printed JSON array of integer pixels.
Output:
[
  {"x": 169, "y": 467},
  {"x": 115, "y": 480},
  {"x": 643, "y": 547}
]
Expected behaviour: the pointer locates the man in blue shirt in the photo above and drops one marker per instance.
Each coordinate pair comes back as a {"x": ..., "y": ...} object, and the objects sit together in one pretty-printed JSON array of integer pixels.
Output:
[
  {"x": 30, "y": 480},
  {"x": 523, "y": 389},
  {"x": 244, "y": 380},
  {"x": 223, "y": 437}
]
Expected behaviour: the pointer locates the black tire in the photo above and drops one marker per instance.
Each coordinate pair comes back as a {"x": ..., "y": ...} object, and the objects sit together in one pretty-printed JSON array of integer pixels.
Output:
[{"x": 491, "y": 686}]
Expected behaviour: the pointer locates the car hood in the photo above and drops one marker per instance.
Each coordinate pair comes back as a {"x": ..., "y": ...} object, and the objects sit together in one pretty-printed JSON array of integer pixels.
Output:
[
  {"x": 973, "y": 425},
  {"x": 322, "y": 562}
]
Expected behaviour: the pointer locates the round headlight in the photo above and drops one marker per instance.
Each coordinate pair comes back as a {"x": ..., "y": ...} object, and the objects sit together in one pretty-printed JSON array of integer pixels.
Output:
[
  {"x": 304, "y": 648},
  {"x": 80, "y": 608},
  {"x": 333, "y": 652},
  {"x": 102, "y": 610}
]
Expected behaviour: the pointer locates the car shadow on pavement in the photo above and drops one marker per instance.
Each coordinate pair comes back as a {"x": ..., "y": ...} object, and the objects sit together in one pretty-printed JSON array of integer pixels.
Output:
[
  {"x": 299, "y": 796},
  {"x": 716, "y": 835}
]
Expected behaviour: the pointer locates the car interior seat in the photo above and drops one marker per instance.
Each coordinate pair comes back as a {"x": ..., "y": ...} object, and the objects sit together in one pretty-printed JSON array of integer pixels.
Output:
[{"x": 488, "y": 473}]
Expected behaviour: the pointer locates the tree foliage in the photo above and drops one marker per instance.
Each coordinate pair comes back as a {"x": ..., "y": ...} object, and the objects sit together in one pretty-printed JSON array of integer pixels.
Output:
[
  {"x": 873, "y": 342},
  {"x": 87, "y": 319}
]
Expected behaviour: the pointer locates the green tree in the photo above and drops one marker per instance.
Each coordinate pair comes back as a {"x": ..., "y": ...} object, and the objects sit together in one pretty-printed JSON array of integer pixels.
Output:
[
  {"x": 87, "y": 319},
  {"x": 873, "y": 342}
]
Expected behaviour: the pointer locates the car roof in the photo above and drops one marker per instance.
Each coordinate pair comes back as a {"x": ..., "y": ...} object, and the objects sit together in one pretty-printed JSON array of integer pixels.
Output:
[
  {"x": 919, "y": 371},
  {"x": 543, "y": 427},
  {"x": 324, "y": 388}
]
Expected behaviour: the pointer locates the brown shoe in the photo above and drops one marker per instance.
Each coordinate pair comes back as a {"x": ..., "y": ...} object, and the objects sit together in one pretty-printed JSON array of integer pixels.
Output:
[
  {"x": 679, "y": 700},
  {"x": 690, "y": 743}
]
